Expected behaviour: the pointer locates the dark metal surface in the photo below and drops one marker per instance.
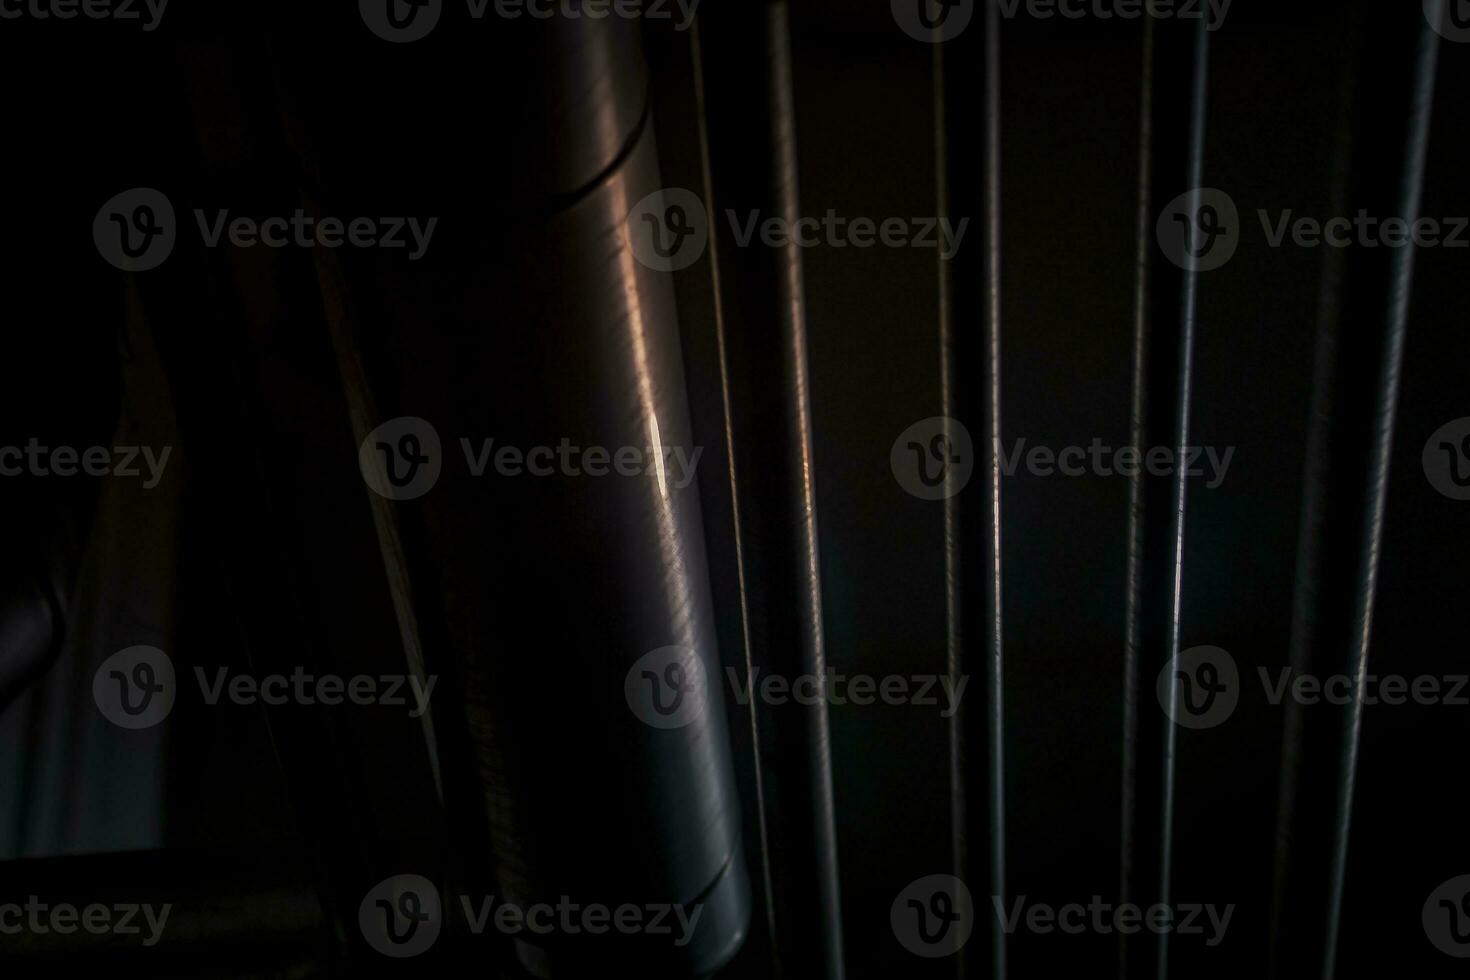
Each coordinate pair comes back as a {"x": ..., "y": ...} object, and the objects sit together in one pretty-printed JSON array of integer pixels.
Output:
[
  {"x": 37, "y": 583},
  {"x": 602, "y": 336},
  {"x": 32, "y": 619},
  {"x": 1365, "y": 297},
  {"x": 1172, "y": 152},
  {"x": 543, "y": 329}
]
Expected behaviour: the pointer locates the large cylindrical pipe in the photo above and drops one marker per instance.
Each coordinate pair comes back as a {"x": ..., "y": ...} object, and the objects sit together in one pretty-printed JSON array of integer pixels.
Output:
[{"x": 558, "y": 562}]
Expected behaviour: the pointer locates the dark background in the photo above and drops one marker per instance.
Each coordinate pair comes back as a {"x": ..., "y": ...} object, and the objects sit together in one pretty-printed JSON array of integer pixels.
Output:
[{"x": 93, "y": 109}]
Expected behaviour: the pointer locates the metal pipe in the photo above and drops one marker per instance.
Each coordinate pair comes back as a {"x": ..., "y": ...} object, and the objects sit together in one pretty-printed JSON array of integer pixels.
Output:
[{"x": 572, "y": 600}]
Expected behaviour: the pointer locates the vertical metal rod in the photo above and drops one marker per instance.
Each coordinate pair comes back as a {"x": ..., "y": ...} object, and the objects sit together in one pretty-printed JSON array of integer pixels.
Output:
[
  {"x": 363, "y": 414},
  {"x": 1172, "y": 153},
  {"x": 1360, "y": 340},
  {"x": 706, "y": 173},
  {"x": 763, "y": 315},
  {"x": 967, "y": 73}
]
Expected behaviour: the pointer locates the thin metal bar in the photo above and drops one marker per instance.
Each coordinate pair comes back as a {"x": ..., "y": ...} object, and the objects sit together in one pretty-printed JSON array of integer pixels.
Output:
[
  {"x": 969, "y": 331},
  {"x": 1171, "y": 155},
  {"x": 763, "y": 307},
  {"x": 1360, "y": 344},
  {"x": 707, "y": 175},
  {"x": 363, "y": 415}
]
